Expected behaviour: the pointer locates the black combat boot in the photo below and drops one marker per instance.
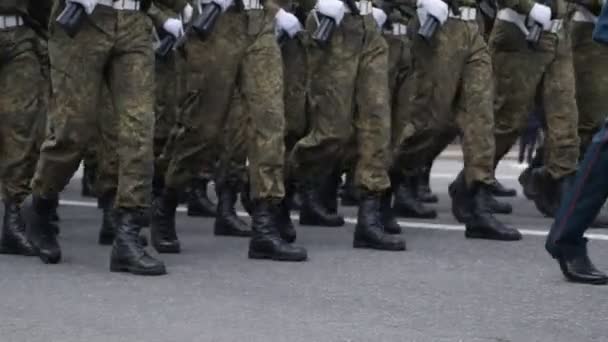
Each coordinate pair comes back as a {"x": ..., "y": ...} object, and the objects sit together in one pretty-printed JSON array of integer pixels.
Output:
[
  {"x": 89, "y": 174},
  {"x": 227, "y": 222},
  {"x": 54, "y": 213},
  {"x": 482, "y": 224},
  {"x": 162, "y": 225},
  {"x": 550, "y": 191},
  {"x": 314, "y": 212},
  {"x": 406, "y": 200},
  {"x": 499, "y": 190},
  {"x": 389, "y": 222},
  {"x": 110, "y": 219},
  {"x": 246, "y": 198},
  {"x": 497, "y": 207},
  {"x": 293, "y": 194},
  {"x": 330, "y": 192},
  {"x": 348, "y": 195},
  {"x": 41, "y": 231},
  {"x": 128, "y": 255},
  {"x": 369, "y": 232},
  {"x": 266, "y": 242},
  {"x": 286, "y": 229},
  {"x": 14, "y": 239},
  {"x": 525, "y": 180},
  {"x": 424, "y": 193},
  {"x": 199, "y": 204},
  {"x": 461, "y": 199}
]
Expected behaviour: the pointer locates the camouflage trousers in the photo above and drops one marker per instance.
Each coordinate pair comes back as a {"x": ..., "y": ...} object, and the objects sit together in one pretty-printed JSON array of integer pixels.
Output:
[
  {"x": 23, "y": 90},
  {"x": 112, "y": 47},
  {"x": 520, "y": 72},
  {"x": 348, "y": 95},
  {"x": 450, "y": 89},
  {"x": 591, "y": 75},
  {"x": 242, "y": 54}
]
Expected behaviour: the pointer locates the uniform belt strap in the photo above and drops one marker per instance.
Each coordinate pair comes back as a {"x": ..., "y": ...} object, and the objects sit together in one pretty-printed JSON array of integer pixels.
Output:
[
  {"x": 364, "y": 7},
  {"x": 397, "y": 30},
  {"x": 10, "y": 21},
  {"x": 509, "y": 15}
]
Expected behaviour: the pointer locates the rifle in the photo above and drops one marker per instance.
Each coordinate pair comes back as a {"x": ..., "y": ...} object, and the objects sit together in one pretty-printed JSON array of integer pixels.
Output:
[
  {"x": 202, "y": 24},
  {"x": 536, "y": 30},
  {"x": 431, "y": 24},
  {"x": 327, "y": 25},
  {"x": 165, "y": 42},
  {"x": 71, "y": 18}
]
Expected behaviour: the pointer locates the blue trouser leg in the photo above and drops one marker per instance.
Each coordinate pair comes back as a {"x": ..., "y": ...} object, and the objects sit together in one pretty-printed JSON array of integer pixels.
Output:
[{"x": 583, "y": 202}]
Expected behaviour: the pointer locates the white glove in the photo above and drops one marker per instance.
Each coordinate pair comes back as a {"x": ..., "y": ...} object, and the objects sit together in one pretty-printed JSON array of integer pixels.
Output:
[
  {"x": 89, "y": 5},
  {"x": 379, "y": 16},
  {"x": 187, "y": 13},
  {"x": 174, "y": 27},
  {"x": 435, "y": 8},
  {"x": 287, "y": 22},
  {"x": 542, "y": 15},
  {"x": 224, "y": 4},
  {"x": 331, "y": 8}
]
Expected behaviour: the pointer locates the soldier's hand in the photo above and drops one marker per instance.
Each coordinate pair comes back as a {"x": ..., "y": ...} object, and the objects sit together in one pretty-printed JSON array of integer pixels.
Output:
[
  {"x": 542, "y": 15},
  {"x": 89, "y": 5},
  {"x": 435, "y": 8},
  {"x": 174, "y": 27},
  {"x": 187, "y": 13},
  {"x": 288, "y": 23},
  {"x": 380, "y": 16},
  {"x": 331, "y": 8}
]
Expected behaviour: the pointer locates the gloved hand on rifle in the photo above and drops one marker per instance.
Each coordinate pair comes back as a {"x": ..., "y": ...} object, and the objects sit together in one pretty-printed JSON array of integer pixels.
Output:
[
  {"x": 174, "y": 27},
  {"x": 224, "y": 4},
  {"x": 380, "y": 16},
  {"x": 331, "y": 8},
  {"x": 187, "y": 13},
  {"x": 287, "y": 22},
  {"x": 437, "y": 9},
  {"x": 89, "y": 5},
  {"x": 542, "y": 15}
]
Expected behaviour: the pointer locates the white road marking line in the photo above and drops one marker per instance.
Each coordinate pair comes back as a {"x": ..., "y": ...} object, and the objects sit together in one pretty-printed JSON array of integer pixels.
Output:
[{"x": 352, "y": 220}]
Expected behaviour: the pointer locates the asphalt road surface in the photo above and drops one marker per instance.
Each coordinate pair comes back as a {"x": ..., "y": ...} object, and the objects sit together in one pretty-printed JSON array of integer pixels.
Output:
[{"x": 444, "y": 288}]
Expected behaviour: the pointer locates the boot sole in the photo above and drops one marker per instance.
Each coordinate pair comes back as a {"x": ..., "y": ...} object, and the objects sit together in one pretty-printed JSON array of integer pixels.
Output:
[
  {"x": 602, "y": 281},
  {"x": 119, "y": 268},
  {"x": 482, "y": 236},
  {"x": 49, "y": 260},
  {"x": 265, "y": 256},
  {"x": 367, "y": 245}
]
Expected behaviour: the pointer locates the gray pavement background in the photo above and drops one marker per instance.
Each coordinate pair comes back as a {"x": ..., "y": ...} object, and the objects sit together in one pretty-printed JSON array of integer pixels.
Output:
[{"x": 444, "y": 288}]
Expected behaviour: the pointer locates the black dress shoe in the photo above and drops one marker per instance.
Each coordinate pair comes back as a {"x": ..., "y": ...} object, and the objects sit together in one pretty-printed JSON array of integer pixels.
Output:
[{"x": 580, "y": 269}]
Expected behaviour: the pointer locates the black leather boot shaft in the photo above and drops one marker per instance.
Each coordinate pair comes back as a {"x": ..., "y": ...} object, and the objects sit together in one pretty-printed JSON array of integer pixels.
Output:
[
  {"x": 407, "y": 203},
  {"x": 199, "y": 204},
  {"x": 266, "y": 242},
  {"x": 389, "y": 222},
  {"x": 314, "y": 211},
  {"x": 162, "y": 225},
  {"x": 41, "y": 231},
  {"x": 227, "y": 222},
  {"x": 369, "y": 232},
  {"x": 14, "y": 239},
  {"x": 128, "y": 255},
  {"x": 424, "y": 192}
]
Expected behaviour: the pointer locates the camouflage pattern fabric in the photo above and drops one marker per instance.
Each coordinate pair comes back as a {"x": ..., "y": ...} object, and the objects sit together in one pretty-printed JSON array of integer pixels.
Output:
[
  {"x": 450, "y": 87},
  {"x": 348, "y": 95}
]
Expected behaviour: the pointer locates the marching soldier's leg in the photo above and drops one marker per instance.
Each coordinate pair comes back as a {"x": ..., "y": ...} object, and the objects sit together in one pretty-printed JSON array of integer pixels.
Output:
[
  {"x": 373, "y": 131},
  {"x": 231, "y": 171},
  {"x": 262, "y": 80},
  {"x": 591, "y": 84},
  {"x": 561, "y": 141},
  {"x": 579, "y": 207},
  {"x": 76, "y": 86},
  {"x": 131, "y": 80},
  {"x": 22, "y": 90}
]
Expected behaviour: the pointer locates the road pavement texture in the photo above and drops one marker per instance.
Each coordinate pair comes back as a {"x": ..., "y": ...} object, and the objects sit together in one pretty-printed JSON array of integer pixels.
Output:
[{"x": 444, "y": 288}]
